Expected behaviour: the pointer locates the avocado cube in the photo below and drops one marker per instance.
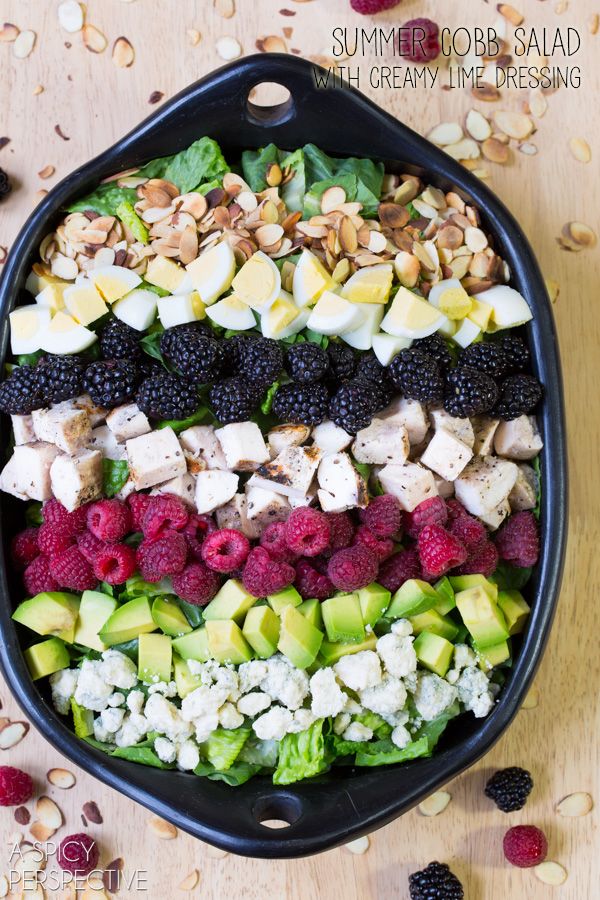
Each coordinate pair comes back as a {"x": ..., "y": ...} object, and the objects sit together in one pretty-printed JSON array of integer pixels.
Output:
[
  {"x": 515, "y": 609},
  {"x": 232, "y": 602},
  {"x": 374, "y": 600},
  {"x": 311, "y": 610},
  {"x": 128, "y": 622},
  {"x": 343, "y": 619},
  {"x": 185, "y": 681},
  {"x": 46, "y": 657},
  {"x": 155, "y": 658},
  {"x": 432, "y": 621},
  {"x": 289, "y": 596},
  {"x": 226, "y": 642},
  {"x": 446, "y": 594},
  {"x": 94, "y": 610},
  {"x": 193, "y": 645},
  {"x": 464, "y": 582},
  {"x": 261, "y": 630},
  {"x": 169, "y": 617},
  {"x": 493, "y": 656},
  {"x": 299, "y": 641},
  {"x": 83, "y": 719},
  {"x": 51, "y": 612},
  {"x": 330, "y": 652},
  {"x": 434, "y": 652},
  {"x": 481, "y": 615},
  {"x": 411, "y": 598}
]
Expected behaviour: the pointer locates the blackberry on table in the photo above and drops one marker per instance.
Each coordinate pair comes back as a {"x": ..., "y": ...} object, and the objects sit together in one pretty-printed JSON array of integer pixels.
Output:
[
  {"x": 352, "y": 406},
  {"x": 60, "y": 377},
  {"x": 342, "y": 363},
  {"x": 469, "y": 392},
  {"x": 516, "y": 353},
  {"x": 435, "y": 346},
  {"x": 301, "y": 404},
  {"x": 111, "y": 383},
  {"x": 233, "y": 400},
  {"x": 20, "y": 392},
  {"x": 485, "y": 357},
  {"x": 261, "y": 362},
  {"x": 519, "y": 395},
  {"x": 509, "y": 788},
  {"x": 5, "y": 185},
  {"x": 306, "y": 363},
  {"x": 119, "y": 341},
  {"x": 417, "y": 375},
  {"x": 167, "y": 397},
  {"x": 435, "y": 882},
  {"x": 195, "y": 355}
]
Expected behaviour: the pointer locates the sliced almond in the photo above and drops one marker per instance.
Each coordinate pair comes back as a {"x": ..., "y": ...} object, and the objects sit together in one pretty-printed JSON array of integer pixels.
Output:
[
  {"x": 435, "y": 804},
  {"x": 594, "y": 23},
  {"x": 580, "y": 149},
  {"x": 486, "y": 92},
  {"x": 553, "y": 288},
  {"x": 450, "y": 238},
  {"x": 194, "y": 36},
  {"x": 377, "y": 242},
  {"x": 247, "y": 200},
  {"x": 511, "y": 14},
  {"x": 477, "y": 125},
  {"x": 195, "y": 204},
  {"x": 516, "y": 125},
  {"x": 393, "y": 215},
  {"x": 407, "y": 191},
  {"x": 274, "y": 175},
  {"x": 94, "y": 39},
  {"x": 92, "y": 813},
  {"x": 341, "y": 271},
  {"x": 190, "y": 881},
  {"x": 61, "y": 778},
  {"x": 459, "y": 266},
  {"x": 561, "y": 7},
  {"x": 40, "y": 832},
  {"x": 111, "y": 877},
  {"x": 495, "y": 151},
  {"x": 332, "y": 198},
  {"x": 38, "y": 89},
  {"x": 580, "y": 234},
  {"x": 8, "y": 33},
  {"x": 267, "y": 235},
  {"x": 123, "y": 54},
  {"x": 348, "y": 236},
  {"x": 225, "y": 8},
  {"x": 551, "y": 873},
  {"x": 538, "y": 104},
  {"x": 578, "y": 804},
  {"x": 528, "y": 148},
  {"x": 48, "y": 812},
  {"x": 465, "y": 149},
  {"x": 70, "y": 16},
  {"x": 94, "y": 891},
  {"x": 47, "y": 172},
  {"x": 475, "y": 239},
  {"x": 358, "y": 846},
  {"x": 24, "y": 44},
  {"x": 32, "y": 891},
  {"x": 424, "y": 209},
  {"x": 445, "y": 133},
  {"x": 12, "y": 734},
  {"x": 274, "y": 44},
  {"x": 228, "y": 48},
  {"x": 162, "y": 829},
  {"x": 434, "y": 197},
  {"x": 188, "y": 245}
]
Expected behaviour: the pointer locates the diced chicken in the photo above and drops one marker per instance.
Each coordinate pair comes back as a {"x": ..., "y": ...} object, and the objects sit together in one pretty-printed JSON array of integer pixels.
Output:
[
  {"x": 234, "y": 514},
  {"x": 461, "y": 428},
  {"x": 127, "y": 422},
  {"x": 23, "y": 429},
  {"x": 291, "y": 473},
  {"x": 155, "y": 457},
  {"x": 127, "y": 489},
  {"x": 97, "y": 414},
  {"x": 485, "y": 429},
  {"x": 69, "y": 428},
  {"x": 496, "y": 516},
  {"x": 104, "y": 440},
  {"x": 411, "y": 414},
  {"x": 27, "y": 473},
  {"x": 340, "y": 485},
  {"x": 524, "y": 492},
  {"x": 485, "y": 483},
  {"x": 383, "y": 441},
  {"x": 183, "y": 486},
  {"x": 214, "y": 488},
  {"x": 518, "y": 439},
  {"x": 201, "y": 442},
  {"x": 330, "y": 438},
  {"x": 243, "y": 445},
  {"x": 446, "y": 454},
  {"x": 308, "y": 500},
  {"x": 264, "y": 507},
  {"x": 410, "y": 483},
  {"x": 77, "y": 479},
  {"x": 283, "y": 436},
  {"x": 444, "y": 488}
]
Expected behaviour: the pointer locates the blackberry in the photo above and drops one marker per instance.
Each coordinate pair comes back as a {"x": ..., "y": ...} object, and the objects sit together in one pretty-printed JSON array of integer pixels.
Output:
[
  {"x": 60, "y": 377},
  {"x": 149, "y": 367},
  {"x": 235, "y": 349},
  {"x": 369, "y": 369},
  {"x": 261, "y": 362},
  {"x": 417, "y": 375},
  {"x": 233, "y": 400},
  {"x": 509, "y": 788},
  {"x": 167, "y": 396},
  {"x": 195, "y": 355},
  {"x": 516, "y": 353},
  {"x": 306, "y": 362},
  {"x": 435, "y": 346},
  {"x": 304, "y": 404},
  {"x": 342, "y": 363},
  {"x": 20, "y": 393},
  {"x": 469, "y": 392},
  {"x": 435, "y": 882},
  {"x": 5, "y": 185},
  {"x": 485, "y": 357},
  {"x": 519, "y": 395},
  {"x": 111, "y": 383},
  {"x": 352, "y": 406},
  {"x": 119, "y": 341}
]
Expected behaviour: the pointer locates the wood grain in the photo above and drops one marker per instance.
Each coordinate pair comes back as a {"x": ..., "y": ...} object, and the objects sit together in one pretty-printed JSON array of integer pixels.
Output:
[{"x": 94, "y": 102}]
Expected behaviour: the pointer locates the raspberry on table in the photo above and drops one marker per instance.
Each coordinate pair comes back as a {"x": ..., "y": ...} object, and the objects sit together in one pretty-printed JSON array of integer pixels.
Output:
[
  {"x": 263, "y": 576},
  {"x": 24, "y": 547},
  {"x": 307, "y": 531},
  {"x": 109, "y": 520},
  {"x": 72, "y": 570},
  {"x": 439, "y": 550},
  {"x": 165, "y": 556},
  {"x": 138, "y": 504},
  {"x": 400, "y": 567},
  {"x": 89, "y": 545},
  {"x": 78, "y": 854},
  {"x": 273, "y": 540},
  {"x": 435, "y": 882},
  {"x": 482, "y": 560},
  {"x": 196, "y": 530},
  {"x": 381, "y": 547},
  {"x": 310, "y": 583},
  {"x": 341, "y": 530},
  {"x": 53, "y": 539},
  {"x": 370, "y": 7},
  {"x": 225, "y": 550},
  {"x": 518, "y": 540},
  {"x": 196, "y": 584},
  {"x": 16, "y": 786},
  {"x": 429, "y": 512},
  {"x": 165, "y": 512},
  {"x": 525, "y": 846},
  {"x": 509, "y": 788},
  {"x": 420, "y": 40},
  {"x": 352, "y": 568},
  {"x": 37, "y": 577},
  {"x": 114, "y": 563},
  {"x": 383, "y": 516},
  {"x": 54, "y": 513},
  {"x": 467, "y": 529}
]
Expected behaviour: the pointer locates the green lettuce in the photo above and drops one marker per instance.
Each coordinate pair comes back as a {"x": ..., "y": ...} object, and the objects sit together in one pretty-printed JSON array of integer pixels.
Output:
[
  {"x": 115, "y": 473},
  {"x": 301, "y": 755},
  {"x": 292, "y": 192},
  {"x": 202, "y": 161},
  {"x": 223, "y": 746},
  {"x": 255, "y": 163},
  {"x": 385, "y": 753},
  {"x": 432, "y": 731},
  {"x": 179, "y": 425},
  {"x": 130, "y": 218},
  {"x": 510, "y": 578},
  {"x": 312, "y": 199},
  {"x": 259, "y": 752},
  {"x": 106, "y": 199},
  {"x": 234, "y": 776}
]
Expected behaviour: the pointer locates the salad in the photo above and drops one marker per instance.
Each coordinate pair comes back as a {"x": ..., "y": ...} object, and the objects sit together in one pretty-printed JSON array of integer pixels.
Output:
[{"x": 274, "y": 426}]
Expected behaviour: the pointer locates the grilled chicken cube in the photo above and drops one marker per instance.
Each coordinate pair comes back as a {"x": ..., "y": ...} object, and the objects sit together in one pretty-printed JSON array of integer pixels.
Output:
[
  {"x": 183, "y": 486},
  {"x": 485, "y": 483},
  {"x": 283, "y": 436},
  {"x": 104, "y": 440},
  {"x": 340, "y": 485},
  {"x": 243, "y": 445},
  {"x": 461, "y": 428},
  {"x": 155, "y": 457},
  {"x": 410, "y": 483},
  {"x": 27, "y": 473},
  {"x": 127, "y": 422},
  {"x": 524, "y": 492},
  {"x": 264, "y": 506},
  {"x": 330, "y": 438},
  {"x": 69, "y": 428},
  {"x": 496, "y": 516},
  {"x": 201, "y": 442},
  {"x": 214, "y": 488},
  {"x": 291, "y": 473},
  {"x": 234, "y": 514},
  {"x": 518, "y": 439},
  {"x": 383, "y": 441},
  {"x": 23, "y": 429},
  {"x": 485, "y": 429},
  {"x": 446, "y": 454},
  {"x": 77, "y": 479},
  {"x": 412, "y": 415},
  {"x": 97, "y": 414}
]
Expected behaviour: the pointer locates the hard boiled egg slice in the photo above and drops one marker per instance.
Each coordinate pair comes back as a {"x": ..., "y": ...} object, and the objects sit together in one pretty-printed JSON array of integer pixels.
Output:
[
  {"x": 369, "y": 285},
  {"x": 137, "y": 309},
  {"x": 411, "y": 316},
  {"x": 52, "y": 296},
  {"x": 467, "y": 333},
  {"x": 162, "y": 272},
  {"x": 84, "y": 302},
  {"x": 279, "y": 316},
  {"x": 481, "y": 313},
  {"x": 180, "y": 308},
  {"x": 65, "y": 335},
  {"x": 212, "y": 272},
  {"x": 232, "y": 313},
  {"x": 386, "y": 346},
  {"x": 39, "y": 278},
  {"x": 509, "y": 307},
  {"x": 258, "y": 282},
  {"x": 311, "y": 278},
  {"x": 28, "y": 326},
  {"x": 361, "y": 338},
  {"x": 114, "y": 282},
  {"x": 450, "y": 298},
  {"x": 333, "y": 314},
  {"x": 185, "y": 286}
]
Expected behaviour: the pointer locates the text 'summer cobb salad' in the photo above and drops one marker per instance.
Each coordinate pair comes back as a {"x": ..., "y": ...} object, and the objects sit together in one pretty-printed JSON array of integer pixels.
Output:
[{"x": 276, "y": 432}]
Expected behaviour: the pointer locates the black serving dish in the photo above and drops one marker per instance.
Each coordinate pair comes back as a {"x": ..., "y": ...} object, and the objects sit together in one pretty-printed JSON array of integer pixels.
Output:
[{"x": 346, "y": 803}]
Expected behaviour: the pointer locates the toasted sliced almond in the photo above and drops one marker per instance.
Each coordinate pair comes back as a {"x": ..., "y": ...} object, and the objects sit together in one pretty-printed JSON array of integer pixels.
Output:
[
  {"x": 393, "y": 215},
  {"x": 267, "y": 235},
  {"x": 92, "y": 813},
  {"x": 62, "y": 778},
  {"x": 516, "y": 125},
  {"x": 465, "y": 149},
  {"x": 551, "y": 872},
  {"x": 190, "y": 881},
  {"x": 407, "y": 191},
  {"x": 123, "y": 54},
  {"x": 435, "y": 804},
  {"x": 47, "y": 172},
  {"x": 32, "y": 891},
  {"x": 450, "y": 238},
  {"x": 12, "y": 734},
  {"x": 70, "y": 16},
  {"x": 347, "y": 235},
  {"x": 24, "y": 44},
  {"x": 358, "y": 846},
  {"x": 538, "y": 104},
  {"x": 580, "y": 234},
  {"x": 8, "y": 33},
  {"x": 434, "y": 197},
  {"x": 532, "y": 698},
  {"x": 594, "y": 23},
  {"x": 228, "y": 48},
  {"x": 486, "y": 92},
  {"x": 477, "y": 125},
  {"x": 561, "y": 7},
  {"x": 161, "y": 828},
  {"x": 528, "y": 148},
  {"x": 510, "y": 13},
  {"x": 332, "y": 198},
  {"x": 274, "y": 175},
  {"x": 446, "y": 133},
  {"x": 377, "y": 242},
  {"x": 38, "y": 89},
  {"x": 578, "y": 804},
  {"x": 93, "y": 39},
  {"x": 247, "y": 200},
  {"x": 424, "y": 209},
  {"x": 188, "y": 245},
  {"x": 580, "y": 149},
  {"x": 553, "y": 288},
  {"x": 225, "y": 8},
  {"x": 194, "y": 36},
  {"x": 48, "y": 812},
  {"x": 495, "y": 151},
  {"x": 475, "y": 239},
  {"x": 41, "y": 832},
  {"x": 274, "y": 44}
]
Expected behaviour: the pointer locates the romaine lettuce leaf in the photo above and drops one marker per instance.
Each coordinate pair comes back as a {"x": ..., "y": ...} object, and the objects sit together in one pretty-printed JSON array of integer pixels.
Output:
[
  {"x": 259, "y": 752},
  {"x": 105, "y": 200},
  {"x": 234, "y": 776},
  {"x": 385, "y": 753},
  {"x": 312, "y": 199},
  {"x": 432, "y": 731},
  {"x": 115, "y": 473},
  {"x": 292, "y": 192},
  {"x": 201, "y": 162},
  {"x": 301, "y": 755},
  {"x": 317, "y": 164},
  {"x": 223, "y": 746},
  {"x": 130, "y": 218},
  {"x": 254, "y": 165}
]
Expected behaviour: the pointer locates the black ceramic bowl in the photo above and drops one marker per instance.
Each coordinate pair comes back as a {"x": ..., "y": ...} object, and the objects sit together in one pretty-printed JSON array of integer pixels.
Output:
[{"x": 345, "y": 803}]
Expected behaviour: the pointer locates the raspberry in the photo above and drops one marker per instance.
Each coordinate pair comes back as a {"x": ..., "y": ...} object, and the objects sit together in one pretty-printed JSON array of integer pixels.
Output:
[
  {"x": 273, "y": 540},
  {"x": 341, "y": 530},
  {"x": 138, "y": 504},
  {"x": 307, "y": 531},
  {"x": 72, "y": 570},
  {"x": 24, "y": 547},
  {"x": 165, "y": 556},
  {"x": 310, "y": 583},
  {"x": 518, "y": 540},
  {"x": 370, "y": 7},
  {"x": 37, "y": 577},
  {"x": 525, "y": 846},
  {"x": 197, "y": 584},
  {"x": 115, "y": 563},
  {"x": 16, "y": 786},
  {"x": 54, "y": 513},
  {"x": 53, "y": 539},
  {"x": 430, "y": 512},
  {"x": 165, "y": 512},
  {"x": 383, "y": 516},
  {"x": 455, "y": 509},
  {"x": 509, "y": 788},
  {"x": 89, "y": 546},
  {"x": 482, "y": 560},
  {"x": 225, "y": 550},
  {"x": 78, "y": 854},
  {"x": 109, "y": 520},
  {"x": 381, "y": 547},
  {"x": 469, "y": 530},
  {"x": 420, "y": 41},
  {"x": 399, "y": 568},
  {"x": 439, "y": 550},
  {"x": 198, "y": 526},
  {"x": 352, "y": 568},
  {"x": 263, "y": 575}
]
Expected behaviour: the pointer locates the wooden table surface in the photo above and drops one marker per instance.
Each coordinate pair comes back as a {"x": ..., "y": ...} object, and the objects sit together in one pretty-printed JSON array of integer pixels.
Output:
[{"x": 94, "y": 103}]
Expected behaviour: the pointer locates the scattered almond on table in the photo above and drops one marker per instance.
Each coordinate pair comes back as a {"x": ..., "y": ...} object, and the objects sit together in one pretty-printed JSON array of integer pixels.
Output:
[
  {"x": 61, "y": 778},
  {"x": 190, "y": 881},
  {"x": 550, "y": 872},
  {"x": 435, "y": 804},
  {"x": 94, "y": 39},
  {"x": 228, "y": 48},
  {"x": 580, "y": 149},
  {"x": 161, "y": 828},
  {"x": 123, "y": 54},
  {"x": 358, "y": 846},
  {"x": 574, "y": 805}
]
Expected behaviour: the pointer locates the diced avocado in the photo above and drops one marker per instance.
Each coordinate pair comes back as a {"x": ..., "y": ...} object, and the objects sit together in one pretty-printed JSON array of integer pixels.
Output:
[
  {"x": 185, "y": 681},
  {"x": 343, "y": 619},
  {"x": 46, "y": 657},
  {"x": 374, "y": 600},
  {"x": 434, "y": 652},
  {"x": 493, "y": 656},
  {"x": 232, "y": 602},
  {"x": 83, "y": 719},
  {"x": 299, "y": 641},
  {"x": 515, "y": 609},
  {"x": 94, "y": 610},
  {"x": 289, "y": 596},
  {"x": 311, "y": 610},
  {"x": 261, "y": 630},
  {"x": 481, "y": 615},
  {"x": 169, "y": 617},
  {"x": 155, "y": 658},
  {"x": 128, "y": 621},
  {"x": 193, "y": 645},
  {"x": 227, "y": 643},
  {"x": 413, "y": 597},
  {"x": 446, "y": 593},
  {"x": 432, "y": 621},
  {"x": 464, "y": 582},
  {"x": 329, "y": 652},
  {"x": 51, "y": 612}
]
